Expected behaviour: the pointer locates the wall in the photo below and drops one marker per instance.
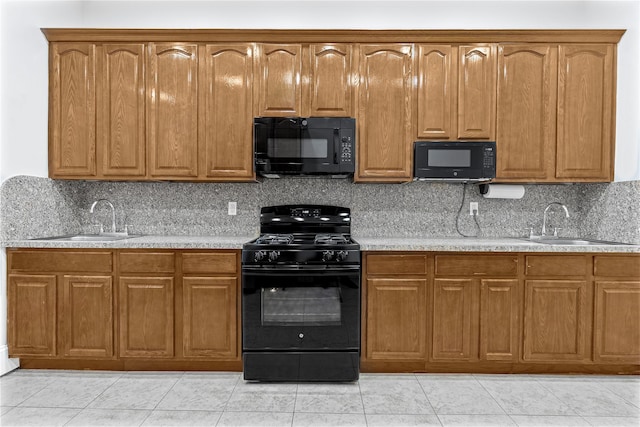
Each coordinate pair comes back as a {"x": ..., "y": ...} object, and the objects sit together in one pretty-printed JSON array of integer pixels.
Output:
[{"x": 23, "y": 60}]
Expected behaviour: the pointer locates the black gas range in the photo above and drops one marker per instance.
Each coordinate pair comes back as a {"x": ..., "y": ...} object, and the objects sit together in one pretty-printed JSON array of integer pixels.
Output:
[{"x": 301, "y": 296}]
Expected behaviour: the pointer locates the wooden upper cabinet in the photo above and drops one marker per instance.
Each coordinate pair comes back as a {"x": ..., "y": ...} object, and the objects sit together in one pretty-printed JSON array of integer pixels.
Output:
[
  {"x": 477, "y": 91},
  {"x": 173, "y": 110},
  {"x": 385, "y": 113},
  {"x": 279, "y": 85},
  {"x": 526, "y": 117},
  {"x": 121, "y": 144},
  {"x": 226, "y": 111},
  {"x": 330, "y": 80},
  {"x": 437, "y": 68},
  {"x": 72, "y": 106},
  {"x": 586, "y": 89}
]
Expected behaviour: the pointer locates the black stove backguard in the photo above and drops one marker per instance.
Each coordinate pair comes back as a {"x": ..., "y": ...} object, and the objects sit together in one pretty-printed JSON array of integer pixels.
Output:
[{"x": 301, "y": 296}]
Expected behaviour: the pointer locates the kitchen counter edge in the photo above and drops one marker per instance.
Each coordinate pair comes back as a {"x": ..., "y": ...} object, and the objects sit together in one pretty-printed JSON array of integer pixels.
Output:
[{"x": 452, "y": 244}]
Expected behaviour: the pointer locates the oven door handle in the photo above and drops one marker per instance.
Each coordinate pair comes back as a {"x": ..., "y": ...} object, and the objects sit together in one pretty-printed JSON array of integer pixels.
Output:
[{"x": 280, "y": 270}]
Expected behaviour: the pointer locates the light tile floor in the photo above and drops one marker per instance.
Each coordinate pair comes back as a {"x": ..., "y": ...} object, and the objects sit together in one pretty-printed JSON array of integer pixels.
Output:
[{"x": 81, "y": 398}]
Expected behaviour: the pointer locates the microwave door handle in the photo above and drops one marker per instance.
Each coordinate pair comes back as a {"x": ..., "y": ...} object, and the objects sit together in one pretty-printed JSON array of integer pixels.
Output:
[{"x": 336, "y": 145}]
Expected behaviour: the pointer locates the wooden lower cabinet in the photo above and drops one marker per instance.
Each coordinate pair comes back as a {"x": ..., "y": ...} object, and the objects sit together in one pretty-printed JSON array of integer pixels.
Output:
[
  {"x": 124, "y": 309},
  {"x": 32, "y": 314},
  {"x": 455, "y": 320},
  {"x": 556, "y": 316},
  {"x": 558, "y": 306},
  {"x": 396, "y": 318},
  {"x": 501, "y": 313},
  {"x": 617, "y": 307},
  {"x": 146, "y": 316},
  {"x": 210, "y": 317},
  {"x": 87, "y": 316}
]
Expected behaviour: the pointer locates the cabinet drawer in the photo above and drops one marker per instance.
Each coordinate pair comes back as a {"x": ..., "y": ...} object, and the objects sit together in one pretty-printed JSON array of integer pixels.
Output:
[
  {"x": 151, "y": 262},
  {"x": 61, "y": 261},
  {"x": 476, "y": 265},
  {"x": 396, "y": 264},
  {"x": 212, "y": 263},
  {"x": 617, "y": 266},
  {"x": 554, "y": 265}
]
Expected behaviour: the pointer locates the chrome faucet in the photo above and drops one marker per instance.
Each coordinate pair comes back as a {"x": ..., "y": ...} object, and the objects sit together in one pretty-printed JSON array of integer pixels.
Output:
[
  {"x": 113, "y": 212},
  {"x": 544, "y": 217}
]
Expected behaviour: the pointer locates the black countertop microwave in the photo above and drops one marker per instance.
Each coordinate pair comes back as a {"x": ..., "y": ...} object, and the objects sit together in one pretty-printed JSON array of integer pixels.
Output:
[
  {"x": 322, "y": 146},
  {"x": 454, "y": 161}
]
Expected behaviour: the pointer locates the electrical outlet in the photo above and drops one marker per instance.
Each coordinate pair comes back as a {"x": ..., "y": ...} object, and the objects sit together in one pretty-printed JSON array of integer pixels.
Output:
[
  {"x": 473, "y": 207},
  {"x": 233, "y": 208}
]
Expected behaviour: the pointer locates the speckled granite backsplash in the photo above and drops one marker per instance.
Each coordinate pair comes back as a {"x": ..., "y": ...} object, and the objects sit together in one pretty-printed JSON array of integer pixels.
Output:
[{"x": 36, "y": 207}]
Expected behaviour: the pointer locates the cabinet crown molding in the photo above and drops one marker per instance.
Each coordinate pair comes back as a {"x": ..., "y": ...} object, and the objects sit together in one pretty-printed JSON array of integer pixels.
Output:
[{"x": 319, "y": 36}]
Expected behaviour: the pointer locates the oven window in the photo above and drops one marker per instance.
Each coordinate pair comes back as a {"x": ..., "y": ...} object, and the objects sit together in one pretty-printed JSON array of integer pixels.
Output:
[
  {"x": 305, "y": 148},
  {"x": 311, "y": 306},
  {"x": 449, "y": 158}
]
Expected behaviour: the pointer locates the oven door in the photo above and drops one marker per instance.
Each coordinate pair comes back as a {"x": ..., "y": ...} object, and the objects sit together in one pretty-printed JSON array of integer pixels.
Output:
[{"x": 301, "y": 309}]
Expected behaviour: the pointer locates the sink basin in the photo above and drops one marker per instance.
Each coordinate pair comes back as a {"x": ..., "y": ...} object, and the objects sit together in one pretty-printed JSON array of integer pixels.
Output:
[
  {"x": 573, "y": 241},
  {"x": 90, "y": 237}
]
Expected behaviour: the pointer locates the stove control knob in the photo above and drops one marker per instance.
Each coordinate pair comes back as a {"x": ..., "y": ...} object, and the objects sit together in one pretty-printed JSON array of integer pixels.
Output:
[
  {"x": 341, "y": 255},
  {"x": 274, "y": 255},
  {"x": 327, "y": 255},
  {"x": 259, "y": 256}
]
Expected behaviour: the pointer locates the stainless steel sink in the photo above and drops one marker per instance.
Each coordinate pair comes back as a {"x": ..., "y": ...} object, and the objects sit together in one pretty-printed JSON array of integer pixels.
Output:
[
  {"x": 106, "y": 237},
  {"x": 573, "y": 241}
]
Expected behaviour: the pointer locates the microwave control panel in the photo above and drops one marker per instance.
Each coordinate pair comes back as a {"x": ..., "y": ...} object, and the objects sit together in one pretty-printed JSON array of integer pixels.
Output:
[{"x": 346, "y": 149}]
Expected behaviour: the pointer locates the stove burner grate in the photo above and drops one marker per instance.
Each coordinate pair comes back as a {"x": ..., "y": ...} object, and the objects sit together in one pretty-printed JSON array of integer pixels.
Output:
[
  {"x": 275, "y": 239},
  {"x": 330, "y": 239}
]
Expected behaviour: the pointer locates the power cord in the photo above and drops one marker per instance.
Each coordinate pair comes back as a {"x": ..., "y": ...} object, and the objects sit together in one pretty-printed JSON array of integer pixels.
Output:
[{"x": 475, "y": 215}]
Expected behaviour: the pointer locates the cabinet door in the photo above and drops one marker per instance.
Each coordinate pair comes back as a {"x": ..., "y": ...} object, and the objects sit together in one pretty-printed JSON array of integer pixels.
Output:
[
  {"x": 499, "y": 319},
  {"x": 146, "y": 316},
  {"x": 87, "y": 316},
  {"x": 120, "y": 110},
  {"x": 617, "y": 331},
  {"x": 210, "y": 317},
  {"x": 330, "y": 80},
  {"x": 585, "y": 112},
  {"x": 279, "y": 85},
  {"x": 173, "y": 110},
  {"x": 396, "y": 319},
  {"x": 32, "y": 315},
  {"x": 455, "y": 319},
  {"x": 385, "y": 131},
  {"x": 477, "y": 92},
  {"x": 556, "y": 320},
  {"x": 436, "y": 91},
  {"x": 72, "y": 107},
  {"x": 227, "y": 111},
  {"x": 526, "y": 120}
]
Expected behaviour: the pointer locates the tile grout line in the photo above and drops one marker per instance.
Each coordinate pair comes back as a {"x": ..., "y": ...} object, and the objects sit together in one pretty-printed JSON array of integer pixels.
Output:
[
  {"x": 224, "y": 408},
  {"x": 428, "y": 400}
]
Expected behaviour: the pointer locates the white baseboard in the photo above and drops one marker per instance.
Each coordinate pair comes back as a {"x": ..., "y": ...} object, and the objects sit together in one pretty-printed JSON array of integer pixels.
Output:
[{"x": 6, "y": 364}]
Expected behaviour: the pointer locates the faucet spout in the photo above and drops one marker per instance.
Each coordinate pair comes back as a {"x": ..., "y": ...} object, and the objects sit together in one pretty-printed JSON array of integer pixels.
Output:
[
  {"x": 113, "y": 212},
  {"x": 544, "y": 217}
]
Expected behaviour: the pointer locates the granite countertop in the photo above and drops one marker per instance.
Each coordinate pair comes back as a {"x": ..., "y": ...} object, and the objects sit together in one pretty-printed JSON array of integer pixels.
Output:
[
  {"x": 443, "y": 244},
  {"x": 474, "y": 244},
  {"x": 141, "y": 242}
]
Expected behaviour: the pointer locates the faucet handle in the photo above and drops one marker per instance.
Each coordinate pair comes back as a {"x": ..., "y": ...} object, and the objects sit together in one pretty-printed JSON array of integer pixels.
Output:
[
  {"x": 555, "y": 231},
  {"x": 530, "y": 230}
]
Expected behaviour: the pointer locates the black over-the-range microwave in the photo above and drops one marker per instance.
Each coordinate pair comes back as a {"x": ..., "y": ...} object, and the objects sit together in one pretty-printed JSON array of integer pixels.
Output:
[
  {"x": 304, "y": 146},
  {"x": 454, "y": 161}
]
